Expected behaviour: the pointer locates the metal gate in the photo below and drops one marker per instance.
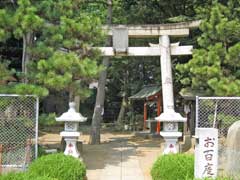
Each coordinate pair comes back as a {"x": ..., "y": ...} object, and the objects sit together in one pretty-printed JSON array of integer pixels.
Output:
[{"x": 18, "y": 131}]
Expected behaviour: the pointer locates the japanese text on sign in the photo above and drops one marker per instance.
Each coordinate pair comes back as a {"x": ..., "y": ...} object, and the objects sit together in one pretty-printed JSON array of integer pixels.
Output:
[{"x": 206, "y": 153}]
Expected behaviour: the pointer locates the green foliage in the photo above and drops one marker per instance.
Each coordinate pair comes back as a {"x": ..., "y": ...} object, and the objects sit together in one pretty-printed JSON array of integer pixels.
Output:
[
  {"x": 5, "y": 73},
  {"x": 215, "y": 66},
  {"x": 58, "y": 166},
  {"x": 23, "y": 176},
  {"x": 57, "y": 40},
  {"x": 66, "y": 71},
  {"x": 26, "y": 19},
  {"x": 24, "y": 89},
  {"x": 154, "y": 12},
  {"x": 51, "y": 167},
  {"x": 41, "y": 151},
  {"x": 47, "y": 119},
  {"x": 30, "y": 89},
  {"x": 226, "y": 120},
  {"x": 173, "y": 167},
  {"x": 13, "y": 176},
  {"x": 5, "y": 23},
  {"x": 66, "y": 59}
]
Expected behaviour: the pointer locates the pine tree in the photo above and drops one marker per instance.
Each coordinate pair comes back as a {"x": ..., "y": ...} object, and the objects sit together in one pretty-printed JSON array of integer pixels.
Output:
[
  {"x": 65, "y": 47},
  {"x": 214, "y": 67},
  {"x": 57, "y": 38}
]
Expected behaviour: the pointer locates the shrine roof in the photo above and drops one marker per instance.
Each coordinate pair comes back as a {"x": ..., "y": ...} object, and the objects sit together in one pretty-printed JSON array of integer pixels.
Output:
[{"x": 146, "y": 92}]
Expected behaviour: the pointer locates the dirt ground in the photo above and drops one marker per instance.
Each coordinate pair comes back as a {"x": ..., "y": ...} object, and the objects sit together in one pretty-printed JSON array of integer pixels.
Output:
[{"x": 144, "y": 149}]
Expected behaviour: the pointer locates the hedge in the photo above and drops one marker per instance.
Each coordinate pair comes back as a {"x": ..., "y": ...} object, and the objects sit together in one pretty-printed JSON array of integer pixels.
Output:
[
  {"x": 58, "y": 166},
  {"x": 23, "y": 176},
  {"x": 173, "y": 167},
  {"x": 51, "y": 167}
]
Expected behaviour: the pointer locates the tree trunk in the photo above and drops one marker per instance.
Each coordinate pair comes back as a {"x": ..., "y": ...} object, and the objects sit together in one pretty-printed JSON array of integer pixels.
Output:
[
  {"x": 122, "y": 111},
  {"x": 77, "y": 103},
  {"x": 71, "y": 95},
  {"x": 76, "y": 98},
  {"x": 99, "y": 105},
  {"x": 124, "y": 103},
  {"x": 26, "y": 56}
]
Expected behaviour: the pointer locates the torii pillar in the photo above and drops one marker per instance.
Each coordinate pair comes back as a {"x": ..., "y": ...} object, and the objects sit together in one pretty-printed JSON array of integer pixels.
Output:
[{"x": 169, "y": 117}]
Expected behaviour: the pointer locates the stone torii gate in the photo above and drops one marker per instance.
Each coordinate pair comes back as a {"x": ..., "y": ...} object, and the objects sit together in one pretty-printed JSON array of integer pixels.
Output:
[{"x": 164, "y": 49}]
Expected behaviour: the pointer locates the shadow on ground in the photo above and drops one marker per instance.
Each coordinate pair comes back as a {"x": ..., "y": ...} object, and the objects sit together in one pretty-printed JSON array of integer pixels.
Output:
[{"x": 117, "y": 149}]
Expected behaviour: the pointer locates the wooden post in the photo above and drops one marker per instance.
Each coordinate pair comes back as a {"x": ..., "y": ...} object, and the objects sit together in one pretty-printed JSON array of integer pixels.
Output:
[
  {"x": 1, "y": 151},
  {"x": 145, "y": 115},
  {"x": 28, "y": 151},
  {"x": 159, "y": 109}
]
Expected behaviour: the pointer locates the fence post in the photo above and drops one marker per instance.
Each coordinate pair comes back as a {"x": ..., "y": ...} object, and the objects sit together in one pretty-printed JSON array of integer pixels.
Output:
[
  {"x": 28, "y": 152},
  {"x": 1, "y": 151},
  {"x": 197, "y": 108},
  {"x": 36, "y": 128}
]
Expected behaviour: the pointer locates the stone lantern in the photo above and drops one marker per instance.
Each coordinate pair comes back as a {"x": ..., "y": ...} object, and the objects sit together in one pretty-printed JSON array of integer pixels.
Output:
[
  {"x": 169, "y": 117},
  {"x": 70, "y": 133}
]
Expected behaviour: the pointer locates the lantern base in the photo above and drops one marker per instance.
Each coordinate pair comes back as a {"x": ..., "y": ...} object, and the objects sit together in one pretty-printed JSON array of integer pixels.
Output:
[
  {"x": 71, "y": 143},
  {"x": 71, "y": 147},
  {"x": 171, "y": 144}
]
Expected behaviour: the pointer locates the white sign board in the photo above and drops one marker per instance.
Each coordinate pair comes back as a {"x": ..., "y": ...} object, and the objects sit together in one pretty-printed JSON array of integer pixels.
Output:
[{"x": 206, "y": 153}]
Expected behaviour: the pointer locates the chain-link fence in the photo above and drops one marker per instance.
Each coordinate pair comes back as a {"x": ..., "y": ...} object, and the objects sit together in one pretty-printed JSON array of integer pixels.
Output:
[
  {"x": 220, "y": 113},
  {"x": 18, "y": 131}
]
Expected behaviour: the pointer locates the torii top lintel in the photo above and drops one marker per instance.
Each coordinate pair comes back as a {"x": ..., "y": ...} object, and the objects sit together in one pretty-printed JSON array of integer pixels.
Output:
[
  {"x": 156, "y": 30},
  {"x": 121, "y": 34}
]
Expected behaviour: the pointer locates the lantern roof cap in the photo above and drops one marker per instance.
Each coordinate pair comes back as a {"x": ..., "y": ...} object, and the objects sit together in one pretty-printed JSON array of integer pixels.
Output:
[{"x": 71, "y": 115}]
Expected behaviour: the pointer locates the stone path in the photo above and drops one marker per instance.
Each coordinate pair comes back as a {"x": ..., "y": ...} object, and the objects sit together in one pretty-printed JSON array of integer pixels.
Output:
[
  {"x": 120, "y": 163},
  {"x": 120, "y": 156},
  {"x": 119, "y": 160}
]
